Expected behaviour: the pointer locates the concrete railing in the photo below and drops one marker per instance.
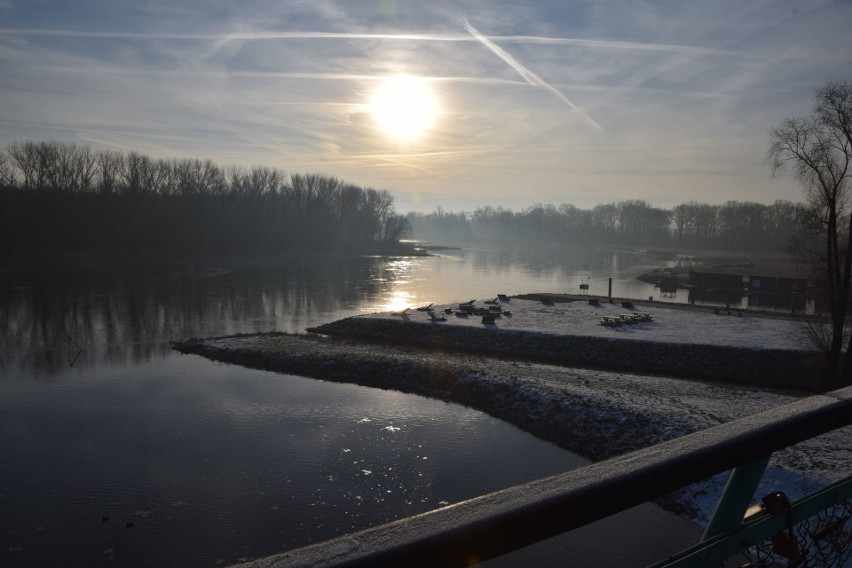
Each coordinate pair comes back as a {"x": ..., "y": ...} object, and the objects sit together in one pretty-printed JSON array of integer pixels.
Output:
[{"x": 498, "y": 523}]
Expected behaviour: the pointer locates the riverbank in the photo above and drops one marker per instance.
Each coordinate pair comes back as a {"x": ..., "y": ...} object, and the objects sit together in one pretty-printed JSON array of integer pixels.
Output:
[
  {"x": 733, "y": 346},
  {"x": 596, "y": 413},
  {"x": 155, "y": 264}
]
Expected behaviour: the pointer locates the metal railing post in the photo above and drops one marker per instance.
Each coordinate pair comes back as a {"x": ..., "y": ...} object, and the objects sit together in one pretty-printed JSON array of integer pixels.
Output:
[{"x": 735, "y": 499}]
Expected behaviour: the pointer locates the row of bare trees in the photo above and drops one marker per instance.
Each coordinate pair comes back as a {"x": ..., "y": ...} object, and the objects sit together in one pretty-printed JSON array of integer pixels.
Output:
[
  {"x": 736, "y": 224},
  {"x": 58, "y": 197},
  {"x": 733, "y": 225}
]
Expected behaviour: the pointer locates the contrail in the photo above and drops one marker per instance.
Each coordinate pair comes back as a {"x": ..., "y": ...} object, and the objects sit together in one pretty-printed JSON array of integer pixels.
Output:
[
  {"x": 225, "y": 36},
  {"x": 251, "y": 35},
  {"x": 528, "y": 75}
]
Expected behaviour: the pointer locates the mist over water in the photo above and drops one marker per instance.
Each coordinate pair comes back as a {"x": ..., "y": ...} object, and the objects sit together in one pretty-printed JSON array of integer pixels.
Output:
[
  {"x": 44, "y": 319},
  {"x": 119, "y": 451}
]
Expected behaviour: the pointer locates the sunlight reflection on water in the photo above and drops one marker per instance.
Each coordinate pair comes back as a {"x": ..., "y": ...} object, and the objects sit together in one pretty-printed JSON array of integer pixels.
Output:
[
  {"x": 212, "y": 461},
  {"x": 463, "y": 274}
]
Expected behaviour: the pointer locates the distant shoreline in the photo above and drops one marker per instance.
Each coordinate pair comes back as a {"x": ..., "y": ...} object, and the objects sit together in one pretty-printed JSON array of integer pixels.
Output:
[{"x": 149, "y": 262}]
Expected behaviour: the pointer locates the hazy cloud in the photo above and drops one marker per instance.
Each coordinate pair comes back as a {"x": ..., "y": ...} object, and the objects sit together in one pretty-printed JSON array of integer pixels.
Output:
[
  {"x": 687, "y": 90},
  {"x": 528, "y": 75}
]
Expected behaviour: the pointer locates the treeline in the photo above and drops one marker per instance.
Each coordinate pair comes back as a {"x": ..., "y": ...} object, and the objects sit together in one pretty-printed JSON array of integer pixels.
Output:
[
  {"x": 733, "y": 225},
  {"x": 57, "y": 197}
]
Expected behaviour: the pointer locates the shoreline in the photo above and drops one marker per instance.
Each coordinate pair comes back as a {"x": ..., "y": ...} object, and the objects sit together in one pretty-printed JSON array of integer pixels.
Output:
[
  {"x": 496, "y": 386},
  {"x": 593, "y": 412},
  {"x": 679, "y": 341},
  {"x": 14, "y": 266},
  {"x": 556, "y": 404}
]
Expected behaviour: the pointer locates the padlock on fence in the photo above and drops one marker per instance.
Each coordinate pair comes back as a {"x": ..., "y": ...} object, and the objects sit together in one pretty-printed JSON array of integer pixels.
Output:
[{"x": 784, "y": 543}]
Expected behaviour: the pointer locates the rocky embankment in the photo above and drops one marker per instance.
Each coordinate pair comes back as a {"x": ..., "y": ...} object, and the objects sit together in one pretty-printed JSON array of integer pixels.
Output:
[
  {"x": 513, "y": 391},
  {"x": 763, "y": 368}
]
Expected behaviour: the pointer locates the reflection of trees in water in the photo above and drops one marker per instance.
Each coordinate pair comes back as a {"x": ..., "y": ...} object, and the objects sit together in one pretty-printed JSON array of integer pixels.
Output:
[{"x": 133, "y": 319}]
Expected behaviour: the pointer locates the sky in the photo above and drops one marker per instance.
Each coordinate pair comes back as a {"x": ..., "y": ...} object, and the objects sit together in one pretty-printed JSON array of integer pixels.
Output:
[{"x": 458, "y": 104}]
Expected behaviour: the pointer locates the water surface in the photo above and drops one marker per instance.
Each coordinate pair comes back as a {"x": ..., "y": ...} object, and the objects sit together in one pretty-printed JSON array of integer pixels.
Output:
[{"x": 119, "y": 451}]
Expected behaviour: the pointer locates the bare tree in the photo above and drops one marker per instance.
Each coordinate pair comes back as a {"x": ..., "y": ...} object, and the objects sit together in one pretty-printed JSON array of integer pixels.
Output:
[
  {"x": 25, "y": 157},
  {"x": 110, "y": 168},
  {"x": 7, "y": 170},
  {"x": 817, "y": 150},
  {"x": 70, "y": 168}
]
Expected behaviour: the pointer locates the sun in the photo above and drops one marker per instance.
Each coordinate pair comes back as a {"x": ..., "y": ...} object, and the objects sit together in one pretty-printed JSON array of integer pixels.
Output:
[{"x": 404, "y": 107}]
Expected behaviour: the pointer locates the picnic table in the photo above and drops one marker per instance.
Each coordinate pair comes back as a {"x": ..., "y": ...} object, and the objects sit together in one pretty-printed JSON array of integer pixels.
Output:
[{"x": 629, "y": 318}]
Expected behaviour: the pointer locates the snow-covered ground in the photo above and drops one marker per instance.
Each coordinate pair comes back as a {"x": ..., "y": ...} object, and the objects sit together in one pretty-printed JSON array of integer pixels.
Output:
[
  {"x": 670, "y": 324},
  {"x": 677, "y": 407}
]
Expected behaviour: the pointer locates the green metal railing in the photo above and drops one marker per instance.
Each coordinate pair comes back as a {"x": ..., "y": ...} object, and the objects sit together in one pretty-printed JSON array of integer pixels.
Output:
[
  {"x": 750, "y": 532},
  {"x": 500, "y": 522}
]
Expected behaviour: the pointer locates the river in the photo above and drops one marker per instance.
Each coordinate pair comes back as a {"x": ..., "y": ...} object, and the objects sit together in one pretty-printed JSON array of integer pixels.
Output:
[{"x": 118, "y": 451}]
